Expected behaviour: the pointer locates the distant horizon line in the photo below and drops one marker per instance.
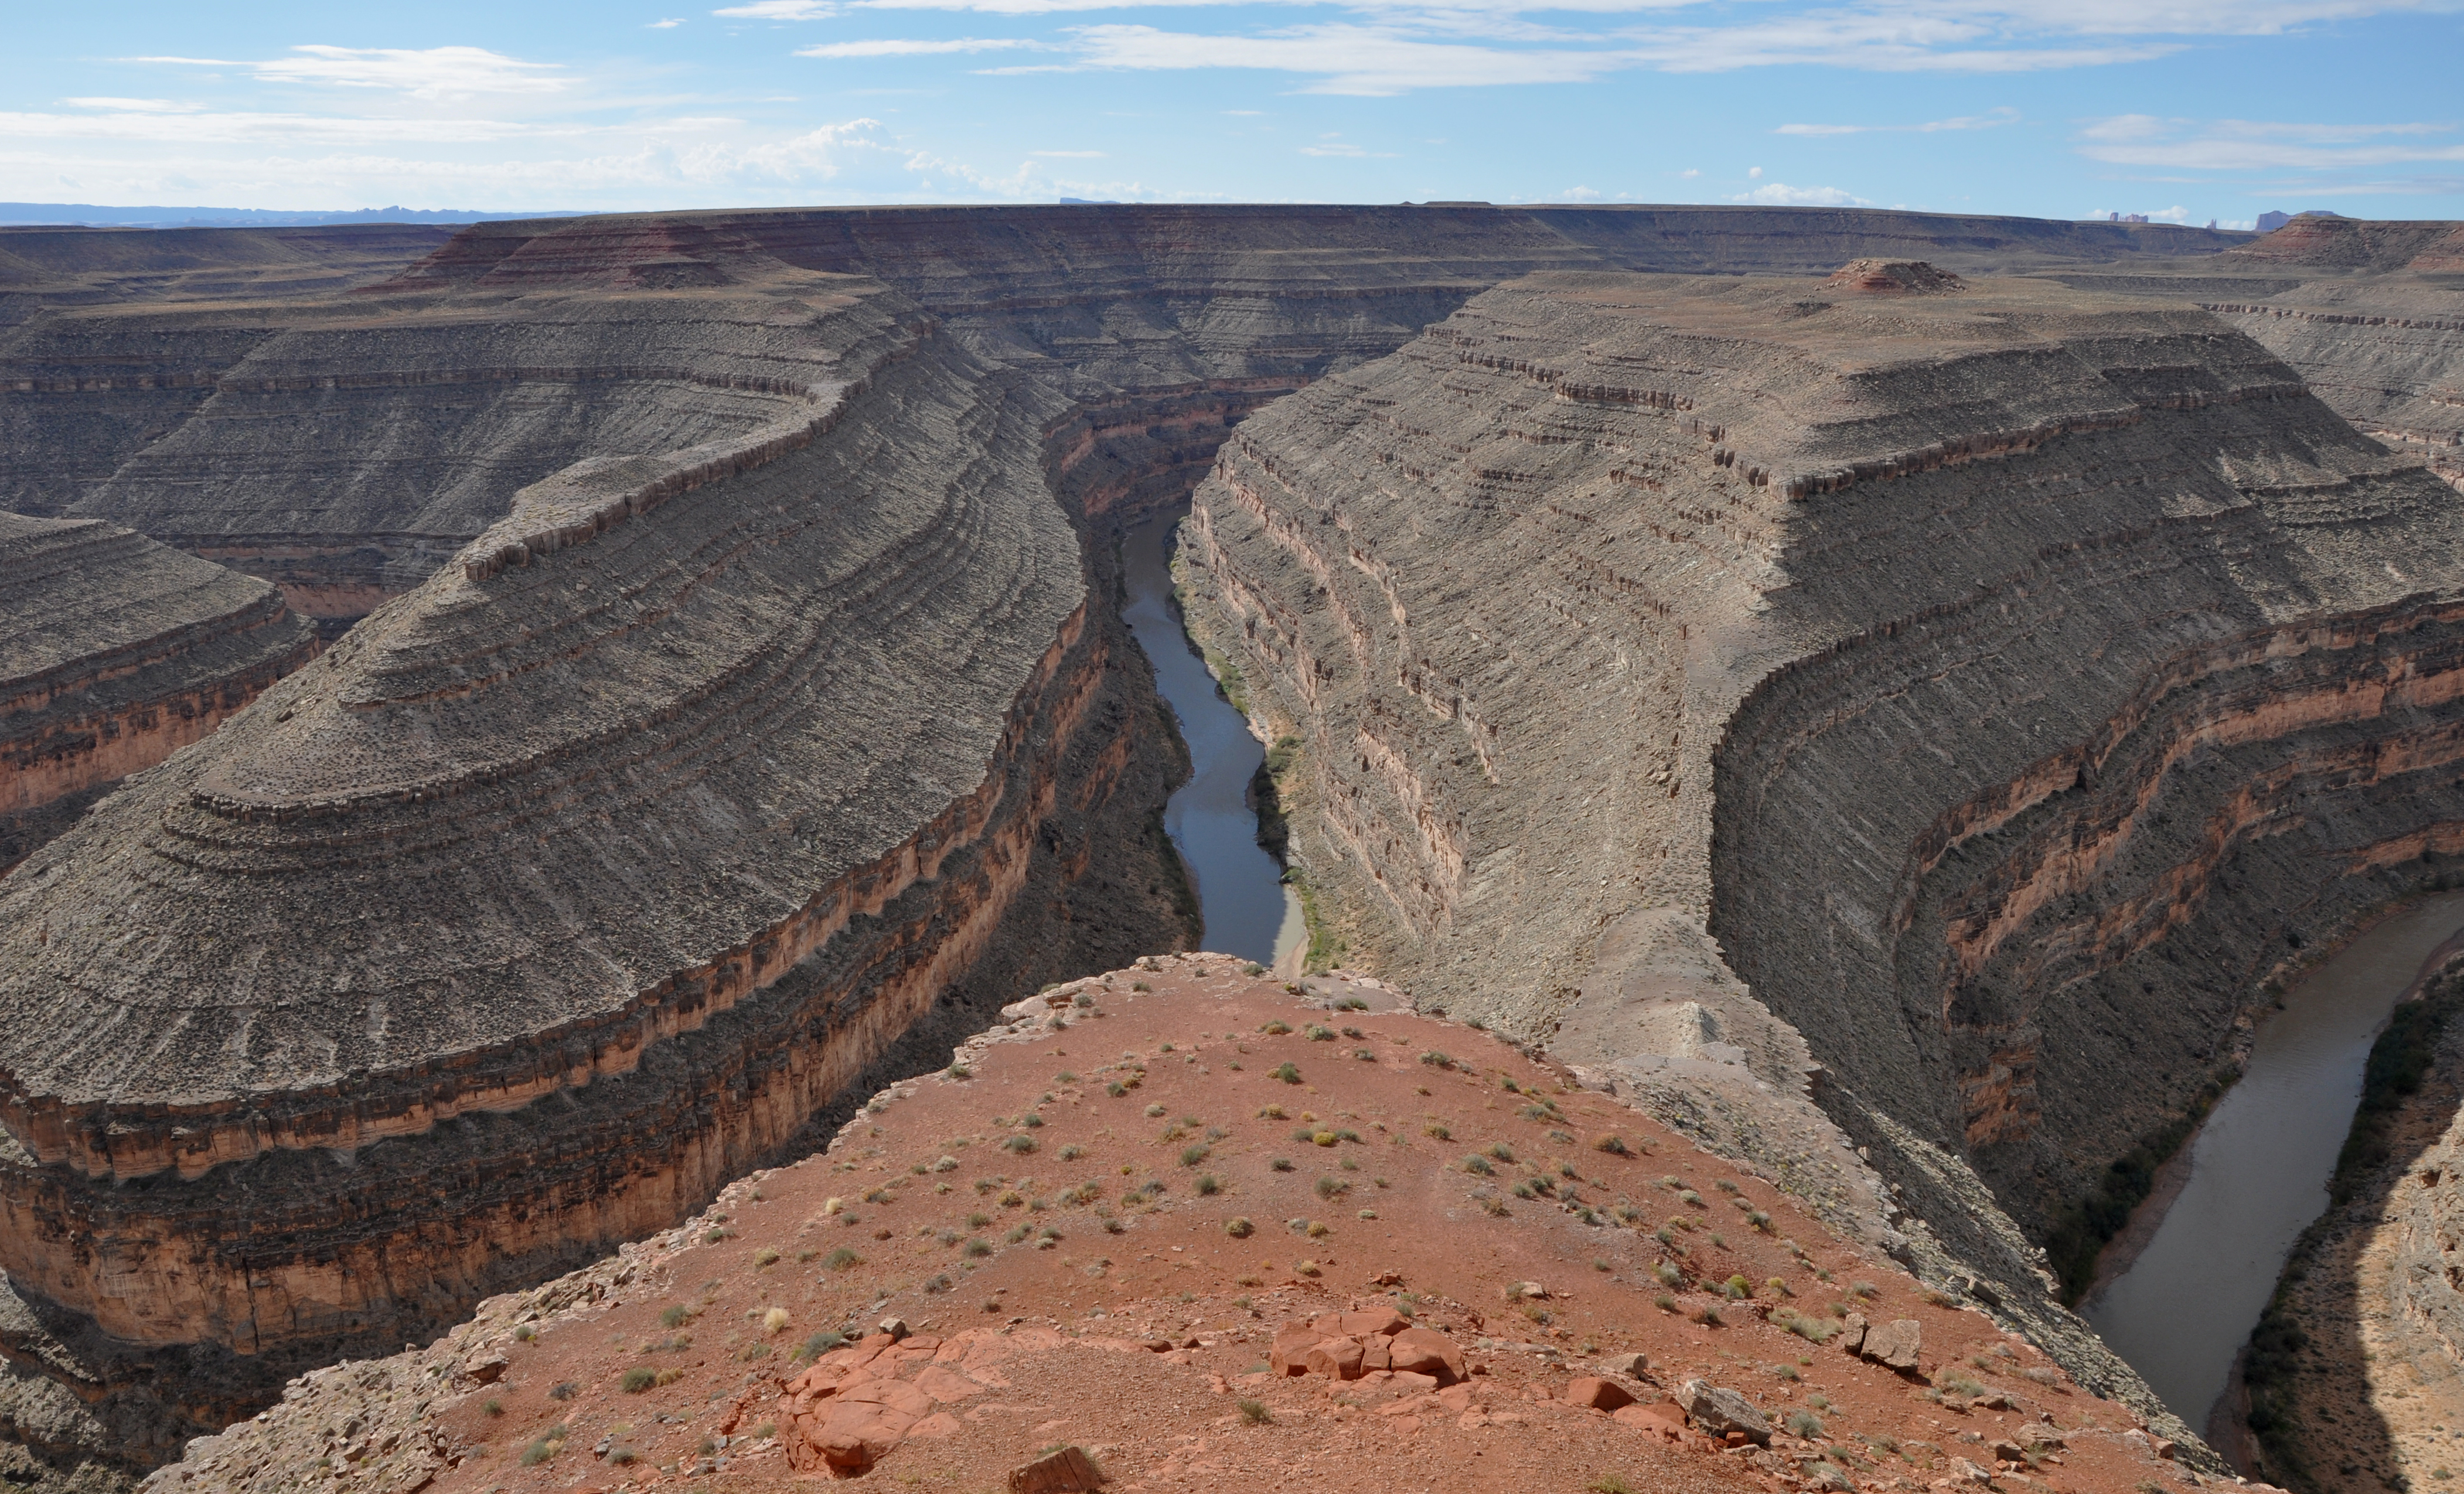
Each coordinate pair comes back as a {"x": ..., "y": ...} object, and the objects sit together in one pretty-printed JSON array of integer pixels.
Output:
[{"x": 93, "y": 215}]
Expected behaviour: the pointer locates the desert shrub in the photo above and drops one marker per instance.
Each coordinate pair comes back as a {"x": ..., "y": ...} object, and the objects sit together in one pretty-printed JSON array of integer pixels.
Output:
[
  {"x": 1254, "y": 1412},
  {"x": 1239, "y": 1228}
]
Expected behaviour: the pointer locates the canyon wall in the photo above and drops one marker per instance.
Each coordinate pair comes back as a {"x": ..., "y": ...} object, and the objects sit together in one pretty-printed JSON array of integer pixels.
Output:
[
  {"x": 116, "y": 651},
  {"x": 327, "y": 445},
  {"x": 737, "y": 691},
  {"x": 582, "y": 877},
  {"x": 2370, "y": 314},
  {"x": 1994, "y": 684}
]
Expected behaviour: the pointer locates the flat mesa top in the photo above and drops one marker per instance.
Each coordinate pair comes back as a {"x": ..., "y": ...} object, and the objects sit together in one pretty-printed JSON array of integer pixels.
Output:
[{"x": 1846, "y": 322}]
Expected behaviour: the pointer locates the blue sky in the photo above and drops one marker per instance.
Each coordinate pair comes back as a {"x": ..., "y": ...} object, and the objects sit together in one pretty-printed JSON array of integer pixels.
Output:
[{"x": 2187, "y": 110}]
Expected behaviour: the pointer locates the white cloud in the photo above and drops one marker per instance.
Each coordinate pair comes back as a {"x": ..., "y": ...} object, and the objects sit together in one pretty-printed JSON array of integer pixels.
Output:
[
  {"x": 1989, "y": 119},
  {"x": 1779, "y": 194},
  {"x": 2073, "y": 17},
  {"x": 1347, "y": 59},
  {"x": 896, "y": 48},
  {"x": 781, "y": 11},
  {"x": 1395, "y": 53},
  {"x": 663, "y": 26},
  {"x": 2141, "y": 139},
  {"x": 434, "y": 73},
  {"x": 216, "y": 127},
  {"x": 1753, "y": 173},
  {"x": 135, "y": 106}
]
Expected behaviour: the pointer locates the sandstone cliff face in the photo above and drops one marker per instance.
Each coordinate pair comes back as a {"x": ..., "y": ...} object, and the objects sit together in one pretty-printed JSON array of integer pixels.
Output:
[
  {"x": 115, "y": 652},
  {"x": 2007, "y": 680}
]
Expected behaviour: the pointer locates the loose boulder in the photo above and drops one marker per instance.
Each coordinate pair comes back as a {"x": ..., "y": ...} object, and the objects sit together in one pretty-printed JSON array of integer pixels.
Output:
[
  {"x": 1335, "y": 1358},
  {"x": 1068, "y": 1471},
  {"x": 1719, "y": 1412},
  {"x": 1427, "y": 1351},
  {"x": 1894, "y": 1344},
  {"x": 1600, "y": 1394}
]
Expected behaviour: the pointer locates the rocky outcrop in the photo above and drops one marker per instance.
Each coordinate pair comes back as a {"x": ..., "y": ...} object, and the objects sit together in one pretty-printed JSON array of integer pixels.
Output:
[
  {"x": 2010, "y": 682},
  {"x": 115, "y": 652}
]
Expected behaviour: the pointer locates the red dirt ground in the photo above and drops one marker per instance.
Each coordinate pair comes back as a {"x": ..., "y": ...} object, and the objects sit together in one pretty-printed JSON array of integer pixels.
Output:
[{"x": 932, "y": 1205}]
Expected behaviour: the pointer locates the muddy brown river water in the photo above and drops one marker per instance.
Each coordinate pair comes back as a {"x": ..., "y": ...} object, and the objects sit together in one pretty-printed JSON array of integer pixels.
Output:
[{"x": 2260, "y": 1167}]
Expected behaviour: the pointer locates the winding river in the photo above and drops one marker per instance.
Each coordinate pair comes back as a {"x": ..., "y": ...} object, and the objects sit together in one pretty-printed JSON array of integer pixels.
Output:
[
  {"x": 1241, "y": 895},
  {"x": 2259, "y": 1168}
]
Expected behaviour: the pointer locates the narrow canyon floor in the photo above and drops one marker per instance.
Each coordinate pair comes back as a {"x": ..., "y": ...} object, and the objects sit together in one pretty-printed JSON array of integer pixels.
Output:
[{"x": 1092, "y": 1226}]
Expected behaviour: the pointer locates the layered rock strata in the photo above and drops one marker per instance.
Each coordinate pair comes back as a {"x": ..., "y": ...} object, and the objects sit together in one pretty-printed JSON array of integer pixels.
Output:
[
  {"x": 344, "y": 449},
  {"x": 2369, "y": 314},
  {"x": 644, "y": 798},
  {"x": 115, "y": 652},
  {"x": 2001, "y": 683},
  {"x": 580, "y": 879}
]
